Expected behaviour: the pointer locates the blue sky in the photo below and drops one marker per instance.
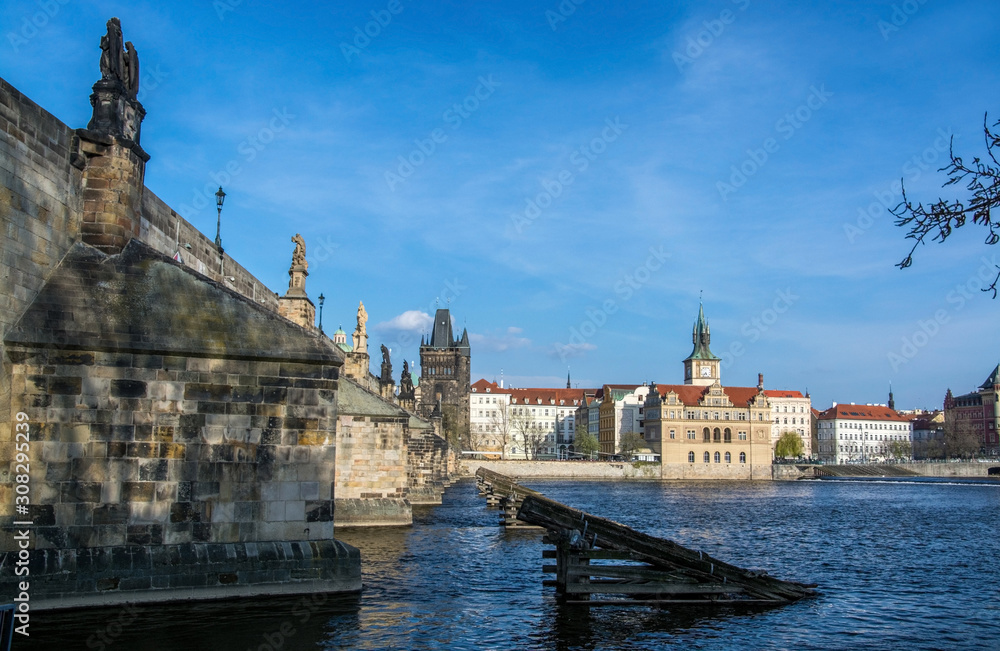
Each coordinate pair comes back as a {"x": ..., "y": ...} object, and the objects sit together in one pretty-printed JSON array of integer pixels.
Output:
[{"x": 570, "y": 177}]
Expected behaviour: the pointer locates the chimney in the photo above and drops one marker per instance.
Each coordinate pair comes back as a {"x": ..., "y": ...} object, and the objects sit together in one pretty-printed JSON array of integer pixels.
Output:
[{"x": 760, "y": 381}]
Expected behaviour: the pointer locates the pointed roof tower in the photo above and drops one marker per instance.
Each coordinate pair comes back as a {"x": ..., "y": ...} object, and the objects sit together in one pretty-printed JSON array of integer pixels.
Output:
[
  {"x": 701, "y": 336},
  {"x": 992, "y": 380},
  {"x": 568, "y": 385}
]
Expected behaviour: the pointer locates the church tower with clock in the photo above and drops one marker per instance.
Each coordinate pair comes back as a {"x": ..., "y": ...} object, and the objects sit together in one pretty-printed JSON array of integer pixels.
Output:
[{"x": 701, "y": 368}]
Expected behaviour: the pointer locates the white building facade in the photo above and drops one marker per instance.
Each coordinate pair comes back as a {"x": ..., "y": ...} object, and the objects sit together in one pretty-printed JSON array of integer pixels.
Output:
[
  {"x": 540, "y": 423},
  {"x": 862, "y": 434},
  {"x": 790, "y": 412}
]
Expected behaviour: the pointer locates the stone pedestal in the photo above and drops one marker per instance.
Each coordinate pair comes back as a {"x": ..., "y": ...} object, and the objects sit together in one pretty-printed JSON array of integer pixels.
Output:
[{"x": 114, "y": 168}]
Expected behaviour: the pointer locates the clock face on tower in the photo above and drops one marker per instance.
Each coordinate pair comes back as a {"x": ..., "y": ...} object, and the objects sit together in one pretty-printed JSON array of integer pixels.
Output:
[{"x": 706, "y": 371}]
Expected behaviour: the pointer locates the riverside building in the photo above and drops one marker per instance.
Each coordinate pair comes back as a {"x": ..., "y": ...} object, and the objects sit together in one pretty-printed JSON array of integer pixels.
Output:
[
  {"x": 702, "y": 429},
  {"x": 863, "y": 434}
]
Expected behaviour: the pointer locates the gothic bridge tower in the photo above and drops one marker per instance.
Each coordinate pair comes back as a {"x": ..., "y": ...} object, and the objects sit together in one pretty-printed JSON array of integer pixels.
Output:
[{"x": 445, "y": 375}]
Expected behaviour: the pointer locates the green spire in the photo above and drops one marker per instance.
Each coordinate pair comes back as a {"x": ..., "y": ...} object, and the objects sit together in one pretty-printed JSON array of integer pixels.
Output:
[{"x": 701, "y": 336}]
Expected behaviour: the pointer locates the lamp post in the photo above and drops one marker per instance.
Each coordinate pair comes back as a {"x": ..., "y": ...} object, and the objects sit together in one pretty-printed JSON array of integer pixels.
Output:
[
  {"x": 220, "y": 197},
  {"x": 321, "y": 299}
]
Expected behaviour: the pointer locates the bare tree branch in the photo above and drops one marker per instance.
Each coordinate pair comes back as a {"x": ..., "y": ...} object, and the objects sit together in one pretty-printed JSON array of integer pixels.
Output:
[{"x": 938, "y": 220}]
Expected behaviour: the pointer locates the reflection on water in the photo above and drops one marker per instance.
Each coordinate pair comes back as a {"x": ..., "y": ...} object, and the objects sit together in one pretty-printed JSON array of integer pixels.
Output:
[{"x": 900, "y": 565}]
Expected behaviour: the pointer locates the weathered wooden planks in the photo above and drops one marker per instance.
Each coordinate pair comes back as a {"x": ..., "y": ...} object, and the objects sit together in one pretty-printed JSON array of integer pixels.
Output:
[
  {"x": 670, "y": 572},
  {"x": 639, "y": 568},
  {"x": 504, "y": 493}
]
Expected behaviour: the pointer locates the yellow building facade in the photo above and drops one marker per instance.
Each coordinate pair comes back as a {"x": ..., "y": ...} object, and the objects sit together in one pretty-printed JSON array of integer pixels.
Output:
[{"x": 702, "y": 429}]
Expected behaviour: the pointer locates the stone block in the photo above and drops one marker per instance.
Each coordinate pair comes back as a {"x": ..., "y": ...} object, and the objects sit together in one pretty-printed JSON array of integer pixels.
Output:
[
  {"x": 141, "y": 491},
  {"x": 295, "y": 511},
  {"x": 128, "y": 389},
  {"x": 77, "y": 491},
  {"x": 208, "y": 392},
  {"x": 149, "y": 512},
  {"x": 274, "y": 511},
  {"x": 111, "y": 514}
]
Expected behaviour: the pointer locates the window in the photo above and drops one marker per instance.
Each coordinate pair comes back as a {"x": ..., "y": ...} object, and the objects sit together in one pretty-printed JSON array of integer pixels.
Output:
[
  {"x": 690, "y": 434},
  {"x": 716, "y": 435},
  {"x": 706, "y": 457},
  {"x": 672, "y": 434},
  {"x": 690, "y": 457},
  {"x": 706, "y": 435},
  {"x": 742, "y": 436},
  {"x": 727, "y": 437},
  {"x": 716, "y": 457},
  {"x": 729, "y": 458},
  {"x": 743, "y": 457}
]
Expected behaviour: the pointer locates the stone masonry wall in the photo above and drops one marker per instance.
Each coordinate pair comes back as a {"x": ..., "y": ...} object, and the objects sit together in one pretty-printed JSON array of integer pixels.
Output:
[
  {"x": 149, "y": 449},
  {"x": 167, "y": 413},
  {"x": 430, "y": 464},
  {"x": 40, "y": 204}
]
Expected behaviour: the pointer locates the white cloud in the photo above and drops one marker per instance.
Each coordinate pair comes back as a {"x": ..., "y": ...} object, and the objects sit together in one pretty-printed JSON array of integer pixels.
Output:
[
  {"x": 499, "y": 342},
  {"x": 413, "y": 321},
  {"x": 568, "y": 351}
]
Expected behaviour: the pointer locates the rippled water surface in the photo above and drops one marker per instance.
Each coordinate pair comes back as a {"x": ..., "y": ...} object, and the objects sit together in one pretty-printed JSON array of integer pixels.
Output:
[{"x": 901, "y": 565}]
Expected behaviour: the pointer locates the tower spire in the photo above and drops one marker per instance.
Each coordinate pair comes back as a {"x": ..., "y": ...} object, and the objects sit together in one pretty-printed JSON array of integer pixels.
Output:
[{"x": 568, "y": 385}]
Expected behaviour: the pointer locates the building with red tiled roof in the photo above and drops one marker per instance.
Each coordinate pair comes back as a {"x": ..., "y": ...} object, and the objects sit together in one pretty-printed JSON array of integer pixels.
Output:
[
  {"x": 524, "y": 422},
  {"x": 703, "y": 429},
  {"x": 849, "y": 433}
]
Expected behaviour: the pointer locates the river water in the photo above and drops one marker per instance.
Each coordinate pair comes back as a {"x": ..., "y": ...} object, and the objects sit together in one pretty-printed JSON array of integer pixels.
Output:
[{"x": 900, "y": 565}]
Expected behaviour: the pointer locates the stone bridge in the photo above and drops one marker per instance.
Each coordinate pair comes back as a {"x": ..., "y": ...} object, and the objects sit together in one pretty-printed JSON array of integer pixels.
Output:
[{"x": 167, "y": 429}]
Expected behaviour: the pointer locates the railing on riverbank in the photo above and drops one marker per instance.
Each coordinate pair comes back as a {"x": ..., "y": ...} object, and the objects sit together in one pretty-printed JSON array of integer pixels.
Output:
[{"x": 649, "y": 570}]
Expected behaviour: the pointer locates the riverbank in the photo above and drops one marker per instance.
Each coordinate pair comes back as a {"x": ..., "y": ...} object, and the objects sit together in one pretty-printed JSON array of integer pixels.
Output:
[{"x": 651, "y": 471}]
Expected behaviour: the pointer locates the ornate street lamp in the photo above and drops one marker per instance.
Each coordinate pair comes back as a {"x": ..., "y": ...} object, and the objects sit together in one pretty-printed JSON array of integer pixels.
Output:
[
  {"x": 321, "y": 299},
  {"x": 220, "y": 197}
]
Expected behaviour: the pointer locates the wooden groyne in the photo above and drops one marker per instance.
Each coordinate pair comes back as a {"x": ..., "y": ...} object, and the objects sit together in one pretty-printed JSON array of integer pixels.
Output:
[
  {"x": 503, "y": 493},
  {"x": 601, "y": 562}
]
